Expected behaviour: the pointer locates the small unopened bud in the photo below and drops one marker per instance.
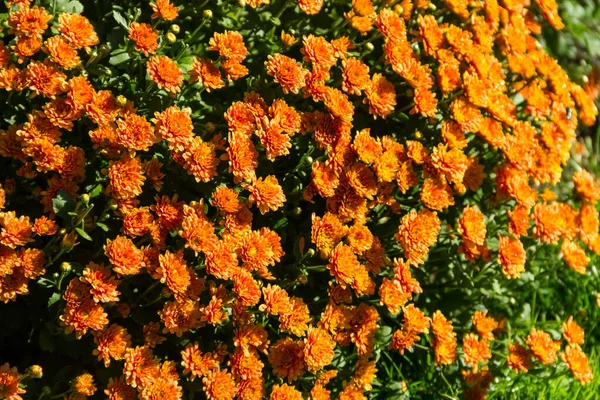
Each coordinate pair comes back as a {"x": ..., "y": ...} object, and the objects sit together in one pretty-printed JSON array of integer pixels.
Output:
[
  {"x": 35, "y": 371},
  {"x": 104, "y": 49},
  {"x": 55, "y": 275},
  {"x": 585, "y": 79},
  {"x": 369, "y": 46},
  {"x": 418, "y": 135},
  {"x": 302, "y": 279},
  {"x": 85, "y": 198},
  {"x": 62, "y": 232},
  {"x": 410, "y": 93},
  {"x": 310, "y": 252},
  {"x": 210, "y": 127},
  {"x": 46, "y": 390},
  {"x": 171, "y": 38},
  {"x": 297, "y": 211},
  {"x": 69, "y": 241},
  {"x": 174, "y": 28},
  {"x": 432, "y": 7},
  {"x": 94, "y": 53},
  {"x": 121, "y": 100},
  {"x": 209, "y": 13},
  {"x": 309, "y": 160},
  {"x": 242, "y": 3},
  {"x": 65, "y": 267},
  {"x": 113, "y": 206},
  {"x": 399, "y": 9}
]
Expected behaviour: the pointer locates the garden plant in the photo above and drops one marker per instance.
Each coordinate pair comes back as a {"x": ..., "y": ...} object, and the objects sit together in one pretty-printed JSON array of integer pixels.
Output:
[{"x": 299, "y": 199}]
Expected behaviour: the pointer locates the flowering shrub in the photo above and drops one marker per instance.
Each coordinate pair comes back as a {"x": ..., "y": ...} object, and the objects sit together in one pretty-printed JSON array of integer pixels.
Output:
[{"x": 304, "y": 199}]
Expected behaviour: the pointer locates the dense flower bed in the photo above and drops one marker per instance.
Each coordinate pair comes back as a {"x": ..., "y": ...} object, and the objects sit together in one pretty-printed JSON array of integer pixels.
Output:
[{"x": 304, "y": 199}]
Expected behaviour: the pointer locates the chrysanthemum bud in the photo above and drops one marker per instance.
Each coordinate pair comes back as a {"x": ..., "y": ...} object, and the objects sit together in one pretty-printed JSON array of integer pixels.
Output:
[
  {"x": 410, "y": 93},
  {"x": 104, "y": 49},
  {"x": 209, "y": 127},
  {"x": 113, "y": 206},
  {"x": 171, "y": 38},
  {"x": 242, "y": 3},
  {"x": 418, "y": 135},
  {"x": 432, "y": 7},
  {"x": 46, "y": 390},
  {"x": 302, "y": 279},
  {"x": 121, "y": 100},
  {"x": 209, "y": 13},
  {"x": 94, "y": 53},
  {"x": 174, "y": 28},
  {"x": 35, "y": 371},
  {"x": 297, "y": 211},
  {"x": 399, "y": 9},
  {"x": 85, "y": 199},
  {"x": 309, "y": 160},
  {"x": 370, "y": 47},
  {"x": 585, "y": 79},
  {"x": 65, "y": 267},
  {"x": 55, "y": 275},
  {"x": 310, "y": 252}
]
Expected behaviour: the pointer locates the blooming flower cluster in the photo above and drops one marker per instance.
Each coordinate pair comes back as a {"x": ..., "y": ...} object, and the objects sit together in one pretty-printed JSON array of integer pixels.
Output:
[{"x": 260, "y": 208}]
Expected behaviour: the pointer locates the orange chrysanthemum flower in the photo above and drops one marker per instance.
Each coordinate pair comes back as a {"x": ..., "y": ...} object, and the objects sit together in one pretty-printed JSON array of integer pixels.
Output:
[
  {"x": 61, "y": 52},
  {"x": 267, "y": 194},
  {"x": 417, "y": 233},
  {"x": 511, "y": 256},
  {"x": 165, "y": 10},
  {"x": 310, "y": 7},
  {"x": 343, "y": 264},
  {"x": 104, "y": 286},
  {"x": 125, "y": 258},
  {"x": 219, "y": 385},
  {"x": 29, "y": 21},
  {"x": 9, "y": 383},
  {"x": 103, "y": 109},
  {"x": 578, "y": 363},
  {"x": 471, "y": 226},
  {"x": 229, "y": 44},
  {"x": 126, "y": 178},
  {"x": 484, "y": 325},
  {"x": 475, "y": 350},
  {"x": 84, "y": 384},
  {"x": 175, "y": 126},
  {"x": 173, "y": 272},
  {"x": 117, "y": 389},
  {"x": 112, "y": 342},
  {"x": 14, "y": 231},
  {"x": 572, "y": 332},
  {"x": 135, "y": 132},
  {"x": 45, "y": 79},
  {"x": 78, "y": 30},
  {"x": 519, "y": 358},
  {"x": 286, "y": 357},
  {"x": 144, "y": 36},
  {"x": 285, "y": 392},
  {"x": 140, "y": 367},
  {"x": 436, "y": 194},
  {"x": 542, "y": 346},
  {"x": 207, "y": 74},
  {"x": 574, "y": 256},
  {"x": 181, "y": 316},
  {"x": 380, "y": 96},
  {"x": 586, "y": 186},
  {"x": 165, "y": 73},
  {"x": 287, "y": 72},
  {"x": 318, "y": 349}
]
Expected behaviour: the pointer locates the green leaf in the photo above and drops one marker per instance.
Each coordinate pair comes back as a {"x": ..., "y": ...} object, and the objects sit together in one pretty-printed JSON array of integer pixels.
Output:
[
  {"x": 102, "y": 226},
  {"x": 119, "y": 56},
  {"x": 95, "y": 192},
  {"x": 121, "y": 20},
  {"x": 67, "y": 6},
  {"x": 83, "y": 234},
  {"x": 46, "y": 341},
  {"x": 53, "y": 299},
  {"x": 63, "y": 204}
]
